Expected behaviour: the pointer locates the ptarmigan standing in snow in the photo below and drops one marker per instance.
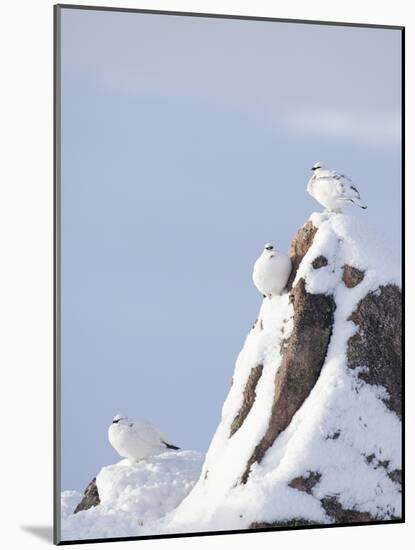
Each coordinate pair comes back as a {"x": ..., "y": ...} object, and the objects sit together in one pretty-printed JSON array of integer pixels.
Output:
[
  {"x": 136, "y": 439},
  {"x": 271, "y": 271},
  {"x": 334, "y": 191}
]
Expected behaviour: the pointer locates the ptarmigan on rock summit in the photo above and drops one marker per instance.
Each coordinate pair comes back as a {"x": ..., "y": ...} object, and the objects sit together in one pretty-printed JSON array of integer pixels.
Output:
[
  {"x": 136, "y": 439},
  {"x": 271, "y": 271},
  {"x": 334, "y": 191}
]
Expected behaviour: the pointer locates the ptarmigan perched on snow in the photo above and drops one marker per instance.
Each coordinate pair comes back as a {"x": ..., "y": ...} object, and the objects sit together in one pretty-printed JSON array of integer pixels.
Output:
[
  {"x": 271, "y": 271},
  {"x": 334, "y": 191},
  {"x": 136, "y": 439}
]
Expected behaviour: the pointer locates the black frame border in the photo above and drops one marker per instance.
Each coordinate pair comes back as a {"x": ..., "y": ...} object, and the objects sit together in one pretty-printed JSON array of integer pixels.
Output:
[{"x": 57, "y": 268}]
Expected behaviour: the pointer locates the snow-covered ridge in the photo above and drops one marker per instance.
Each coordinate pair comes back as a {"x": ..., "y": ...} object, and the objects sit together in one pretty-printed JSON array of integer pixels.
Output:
[
  {"x": 341, "y": 423},
  {"x": 339, "y": 457},
  {"x": 132, "y": 496}
]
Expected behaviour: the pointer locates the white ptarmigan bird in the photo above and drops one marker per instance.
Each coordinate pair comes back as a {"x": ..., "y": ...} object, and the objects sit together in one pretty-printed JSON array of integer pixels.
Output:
[
  {"x": 271, "y": 271},
  {"x": 334, "y": 191},
  {"x": 136, "y": 439}
]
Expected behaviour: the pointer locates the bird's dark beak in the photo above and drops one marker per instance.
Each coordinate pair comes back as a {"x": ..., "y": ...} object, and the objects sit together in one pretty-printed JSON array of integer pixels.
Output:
[{"x": 115, "y": 421}]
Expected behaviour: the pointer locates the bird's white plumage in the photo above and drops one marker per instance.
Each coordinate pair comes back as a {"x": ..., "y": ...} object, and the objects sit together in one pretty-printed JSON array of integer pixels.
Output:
[
  {"x": 334, "y": 191},
  {"x": 271, "y": 271},
  {"x": 136, "y": 439}
]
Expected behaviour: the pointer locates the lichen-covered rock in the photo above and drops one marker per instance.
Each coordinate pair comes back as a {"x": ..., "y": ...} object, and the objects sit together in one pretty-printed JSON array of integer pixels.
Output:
[{"x": 376, "y": 347}]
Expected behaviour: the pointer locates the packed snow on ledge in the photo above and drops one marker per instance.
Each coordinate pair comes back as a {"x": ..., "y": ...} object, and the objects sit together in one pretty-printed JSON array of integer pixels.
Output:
[
  {"x": 333, "y": 432},
  {"x": 132, "y": 496}
]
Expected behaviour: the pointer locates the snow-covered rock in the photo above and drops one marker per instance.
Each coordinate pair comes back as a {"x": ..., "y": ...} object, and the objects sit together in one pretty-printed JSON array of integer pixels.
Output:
[
  {"x": 132, "y": 496},
  {"x": 311, "y": 429},
  {"x": 90, "y": 497}
]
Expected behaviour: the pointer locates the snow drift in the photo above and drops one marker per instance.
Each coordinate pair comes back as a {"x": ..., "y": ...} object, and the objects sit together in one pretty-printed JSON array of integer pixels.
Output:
[
  {"x": 310, "y": 431},
  {"x": 131, "y": 496}
]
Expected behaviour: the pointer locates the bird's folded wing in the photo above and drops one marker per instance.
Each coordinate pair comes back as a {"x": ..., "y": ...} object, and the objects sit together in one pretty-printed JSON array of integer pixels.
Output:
[
  {"x": 355, "y": 192},
  {"x": 147, "y": 432}
]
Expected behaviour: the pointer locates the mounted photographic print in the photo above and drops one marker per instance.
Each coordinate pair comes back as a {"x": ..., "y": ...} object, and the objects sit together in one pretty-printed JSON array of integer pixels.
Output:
[{"x": 228, "y": 208}]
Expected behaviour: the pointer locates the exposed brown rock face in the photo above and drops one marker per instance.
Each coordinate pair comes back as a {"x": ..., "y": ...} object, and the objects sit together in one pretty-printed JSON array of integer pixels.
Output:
[
  {"x": 334, "y": 509},
  {"x": 303, "y": 356},
  {"x": 299, "y": 248},
  {"x": 396, "y": 476},
  {"x": 248, "y": 398},
  {"x": 352, "y": 276},
  {"x": 305, "y": 483},
  {"x": 377, "y": 343},
  {"x": 295, "y": 522},
  {"x": 90, "y": 497}
]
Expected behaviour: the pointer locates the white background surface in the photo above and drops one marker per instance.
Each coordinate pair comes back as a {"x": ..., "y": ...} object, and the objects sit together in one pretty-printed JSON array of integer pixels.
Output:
[{"x": 26, "y": 282}]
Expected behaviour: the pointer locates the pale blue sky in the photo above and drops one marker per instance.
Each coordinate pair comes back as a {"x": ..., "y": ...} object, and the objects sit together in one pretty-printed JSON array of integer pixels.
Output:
[{"x": 186, "y": 145}]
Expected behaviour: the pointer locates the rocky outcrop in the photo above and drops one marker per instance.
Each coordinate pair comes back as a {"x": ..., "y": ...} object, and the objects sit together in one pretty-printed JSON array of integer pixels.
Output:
[
  {"x": 304, "y": 431},
  {"x": 295, "y": 522},
  {"x": 248, "y": 399},
  {"x": 304, "y": 351},
  {"x": 376, "y": 346},
  {"x": 336, "y": 512},
  {"x": 90, "y": 497},
  {"x": 333, "y": 510},
  {"x": 396, "y": 477},
  {"x": 303, "y": 356},
  {"x": 299, "y": 248},
  {"x": 352, "y": 276},
  {"x": 305, "y": 483},
  {"x": 330, "y": 504},
  {"x": 320, "y": 261}
]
